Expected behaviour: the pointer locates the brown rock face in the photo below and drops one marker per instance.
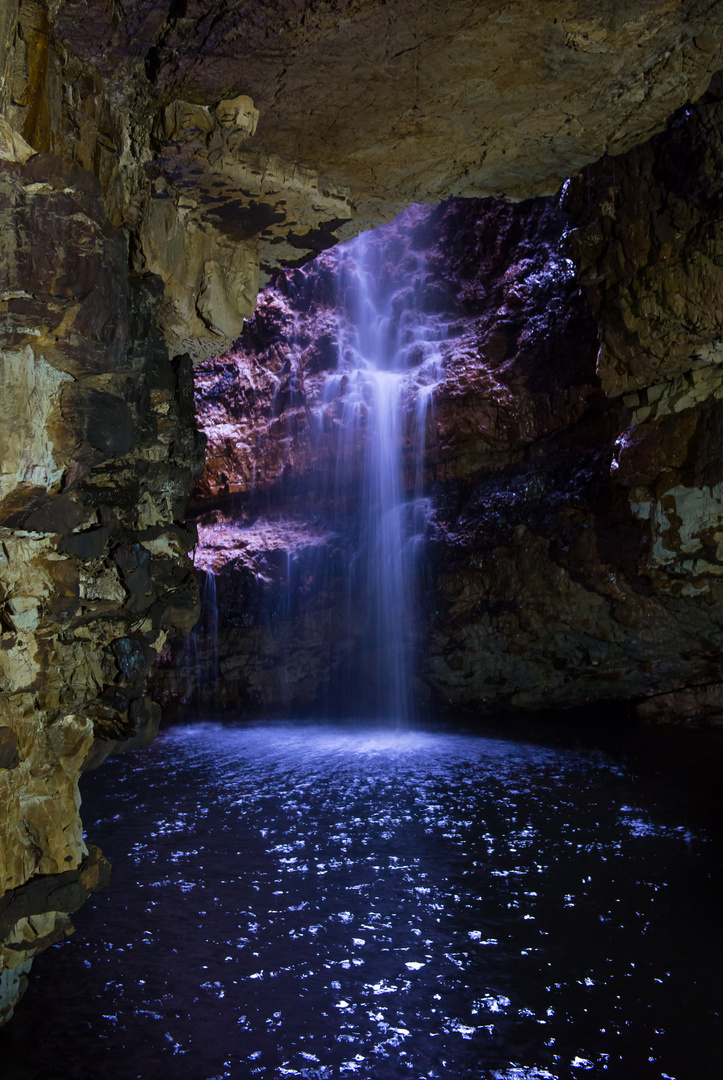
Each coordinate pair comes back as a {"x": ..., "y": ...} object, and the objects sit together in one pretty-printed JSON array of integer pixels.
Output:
[
  {"x": 649, "y": 245},
  {"x": 232, "y": 140},
  {"x": 591, "y": 571},
  {"x": 97, "y": 456},
  {"x": 408, "y": 100},
  {"x": 573, "y": 554},
  {"x": 156, "y": 163}
]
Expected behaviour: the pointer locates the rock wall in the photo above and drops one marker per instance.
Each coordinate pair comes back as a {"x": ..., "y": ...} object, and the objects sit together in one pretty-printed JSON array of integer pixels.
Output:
[
  {"x": 574, "y": 550},
  {"x": 588, "y": 570},
  {"x": 97, "y": 457},
  {"x": 156, "y": 162}
]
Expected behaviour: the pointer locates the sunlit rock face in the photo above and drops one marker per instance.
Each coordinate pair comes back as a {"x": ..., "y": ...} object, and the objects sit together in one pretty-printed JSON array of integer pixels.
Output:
[
  {"x": 98, "y": 451},
  {"x": 157, "y": 162},
  {"x": 573, "y": 549}
]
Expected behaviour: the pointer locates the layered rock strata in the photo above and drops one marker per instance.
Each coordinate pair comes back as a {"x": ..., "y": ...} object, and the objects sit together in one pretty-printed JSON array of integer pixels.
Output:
[
  {"x": 98, "y": 452},
  {"x": 155, "y": 163},
  {"x": 573, "y": 453}
]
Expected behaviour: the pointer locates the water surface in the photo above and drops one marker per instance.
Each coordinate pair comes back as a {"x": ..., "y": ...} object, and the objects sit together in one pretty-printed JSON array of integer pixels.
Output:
[{"x": 315, "y": 901}]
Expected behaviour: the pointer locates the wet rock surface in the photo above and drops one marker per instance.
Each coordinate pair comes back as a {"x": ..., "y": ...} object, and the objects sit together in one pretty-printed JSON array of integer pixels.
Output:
[
  {"x": 97, "y": 458},
  {"x": 572, "y": 551},
  {"x": 587, "y": 569},
  {"x": 157, "y": 163}
]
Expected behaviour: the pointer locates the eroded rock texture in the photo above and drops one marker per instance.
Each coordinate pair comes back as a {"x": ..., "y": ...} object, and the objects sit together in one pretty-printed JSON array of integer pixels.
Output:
[
  {"x": 156, "y": 162},
  {"x": 232, "y": 138},
  {"x": 574, "y": 551},
  {"x": 590, "y": 569},
  {"x": 98, "y": 452}
]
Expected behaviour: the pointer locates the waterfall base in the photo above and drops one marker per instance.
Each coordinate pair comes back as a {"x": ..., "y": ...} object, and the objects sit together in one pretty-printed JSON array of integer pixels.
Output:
[{"x": 322, "y": 902}]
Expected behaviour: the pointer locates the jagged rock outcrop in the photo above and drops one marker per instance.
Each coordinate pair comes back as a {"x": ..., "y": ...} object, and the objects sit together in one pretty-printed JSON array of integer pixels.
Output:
[
  {"x": 273, "y": 632},
  {"x": 37, "y": 915},
  {"x": 98, "y": 452},
  {"x": 574, "y": 551},
  {"x": 156, "y": 162}
]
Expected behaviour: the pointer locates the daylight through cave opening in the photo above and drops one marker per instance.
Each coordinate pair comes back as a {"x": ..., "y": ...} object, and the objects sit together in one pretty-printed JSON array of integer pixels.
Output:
[
  {"x": 337, "y": 529},
  {"x": 344, "y": 431}
]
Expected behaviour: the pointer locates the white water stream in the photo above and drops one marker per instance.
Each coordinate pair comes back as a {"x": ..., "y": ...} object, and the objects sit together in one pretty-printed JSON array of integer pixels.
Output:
[{"x": 389, "y": 363}]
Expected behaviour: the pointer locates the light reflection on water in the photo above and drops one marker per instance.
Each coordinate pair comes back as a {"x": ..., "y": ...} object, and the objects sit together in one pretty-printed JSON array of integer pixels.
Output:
[{"x": 312, "y": 901}]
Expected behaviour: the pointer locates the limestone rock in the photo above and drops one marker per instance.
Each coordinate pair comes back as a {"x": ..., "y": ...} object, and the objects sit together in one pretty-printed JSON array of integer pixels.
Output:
[
  {"x": 271, "y": 651},
  {"x": 210, "y": 279},
  {"x": 156, "y": 164},
  {"x": 649, "y": 246},
  {"x": 94, "y": 566},
  {"x": 35, "y": 916},
  {"x": 416, "y": 101},
  {"x": 694, "y": 706},
  {"x": 12, "y": 145}
]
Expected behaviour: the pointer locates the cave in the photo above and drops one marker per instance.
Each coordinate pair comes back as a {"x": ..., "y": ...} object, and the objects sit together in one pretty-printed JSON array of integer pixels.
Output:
[{"x": 362, "y": 372}]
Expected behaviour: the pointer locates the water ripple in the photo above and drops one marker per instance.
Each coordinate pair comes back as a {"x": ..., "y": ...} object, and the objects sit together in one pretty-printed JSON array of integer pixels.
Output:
[{"x": 316, "y": 901}]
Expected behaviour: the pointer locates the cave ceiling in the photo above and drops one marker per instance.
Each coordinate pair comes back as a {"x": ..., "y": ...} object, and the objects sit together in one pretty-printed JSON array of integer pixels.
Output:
[
  {"x": 414, "y": 99},
  {"x": 157, "y": 162},
  {"x": 269, "y": 132}
]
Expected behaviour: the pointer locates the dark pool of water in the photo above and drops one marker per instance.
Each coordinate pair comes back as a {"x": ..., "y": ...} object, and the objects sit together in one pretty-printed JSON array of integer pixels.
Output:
[{"x": 312, "y": 901}]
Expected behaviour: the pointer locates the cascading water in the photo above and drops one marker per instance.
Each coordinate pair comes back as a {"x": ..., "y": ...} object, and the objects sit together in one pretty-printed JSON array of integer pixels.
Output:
[
  {"x": 389, "y": 354},
  {"x": 319, "y": 562},
  {"x": 327, "y": 901}
]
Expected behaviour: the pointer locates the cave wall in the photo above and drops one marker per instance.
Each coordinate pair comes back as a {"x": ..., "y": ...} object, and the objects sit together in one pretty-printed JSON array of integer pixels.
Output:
[
  {"x": 99, "y": 450},
  {"x": 592, "y": 570},
  {"x": 573, "y": 457},
  {"x": 157, "y": 161}
]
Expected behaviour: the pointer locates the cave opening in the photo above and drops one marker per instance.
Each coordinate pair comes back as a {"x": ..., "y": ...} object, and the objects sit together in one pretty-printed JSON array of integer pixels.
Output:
[
  {"x": 350, "y": 435},
  {"x": 331, "y": 899},
  {"x": 325, "y": 498}
]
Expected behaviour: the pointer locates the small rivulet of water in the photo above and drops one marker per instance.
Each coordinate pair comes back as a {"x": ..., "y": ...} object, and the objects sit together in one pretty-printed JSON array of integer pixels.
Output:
[
  {"x": 380, "y": 395},
  {"x": 201, "y": 652}
]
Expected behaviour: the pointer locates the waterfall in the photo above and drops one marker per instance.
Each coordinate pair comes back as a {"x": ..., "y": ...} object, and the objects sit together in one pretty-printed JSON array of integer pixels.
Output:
[
  {"x": 201, "y": 652},
  {"x": 318, "y": 566},
  {"x": 378, "y": 401}
]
